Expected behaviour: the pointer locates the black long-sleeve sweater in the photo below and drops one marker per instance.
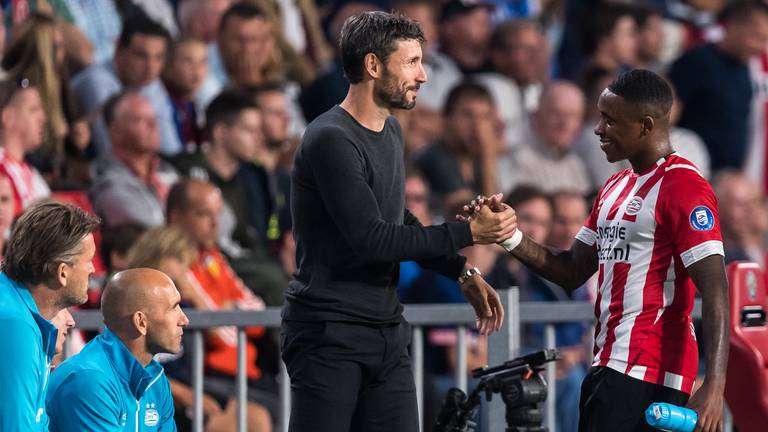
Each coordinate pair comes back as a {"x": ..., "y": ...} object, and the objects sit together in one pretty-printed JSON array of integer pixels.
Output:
[{"x": 351, "y": 226}]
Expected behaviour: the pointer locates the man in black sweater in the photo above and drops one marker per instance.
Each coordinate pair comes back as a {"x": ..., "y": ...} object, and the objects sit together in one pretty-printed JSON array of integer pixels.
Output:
[{"x": 344, "y": 340}]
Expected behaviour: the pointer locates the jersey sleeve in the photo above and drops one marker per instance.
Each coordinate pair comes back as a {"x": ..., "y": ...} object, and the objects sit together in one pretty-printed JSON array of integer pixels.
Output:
[
  {"x": 19, "y": 377},
  {"x": 588, "y": 232},
  {"x": 688, "y": 214}
]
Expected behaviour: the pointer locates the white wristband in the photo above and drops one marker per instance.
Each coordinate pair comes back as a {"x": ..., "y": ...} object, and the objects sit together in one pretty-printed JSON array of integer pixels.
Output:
[{"x": 512, "y": 242}]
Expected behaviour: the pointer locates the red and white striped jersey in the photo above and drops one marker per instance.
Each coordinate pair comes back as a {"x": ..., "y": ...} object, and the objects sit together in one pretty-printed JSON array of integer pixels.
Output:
[{"x": 647, "y": 229}]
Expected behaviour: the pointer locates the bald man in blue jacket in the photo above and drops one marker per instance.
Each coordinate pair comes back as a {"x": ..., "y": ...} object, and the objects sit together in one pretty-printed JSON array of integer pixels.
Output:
[{"x": 114, "y": 383}]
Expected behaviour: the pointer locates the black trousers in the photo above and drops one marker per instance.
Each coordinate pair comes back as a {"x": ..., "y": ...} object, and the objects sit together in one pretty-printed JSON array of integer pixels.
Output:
[
  {"x": 348, "y": 377},
  {"x": 613, "y": 401}
]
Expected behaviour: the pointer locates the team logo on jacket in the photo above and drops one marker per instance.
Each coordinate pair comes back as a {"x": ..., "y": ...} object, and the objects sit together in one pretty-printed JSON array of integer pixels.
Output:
[
  {"x": 701, "y": 219},
  {"x": 151, "y": 417},
  {"x": 634, "y": 206}
]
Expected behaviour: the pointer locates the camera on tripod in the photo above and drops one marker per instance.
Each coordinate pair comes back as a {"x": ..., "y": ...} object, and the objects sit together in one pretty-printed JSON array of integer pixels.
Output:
[{"x": 522, "y": 388}]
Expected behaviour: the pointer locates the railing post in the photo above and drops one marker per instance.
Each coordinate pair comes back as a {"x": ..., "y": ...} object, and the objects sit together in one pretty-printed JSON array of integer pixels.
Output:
[
  {"x": 285, "y": 397},
  {"x": 417, "y": 346},
  {"x": 502, "y": 346},
  {"x": 242, "y": 383},
  {"x": 549, "y": 342},
  {"x": 461, "y": 358},
  {"x": 197, "y": 379}
]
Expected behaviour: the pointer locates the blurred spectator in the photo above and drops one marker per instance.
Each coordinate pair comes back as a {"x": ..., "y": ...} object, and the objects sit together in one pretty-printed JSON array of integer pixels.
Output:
[
  {"x": 465, "y": 32},
  {"x": 688, "y": 143},
  {"x": 253, "y": 54},
  {"x": 650, "y": 39},
  {"x": 36, "y": 52},
  {"x": 184, "y": 74},
  {"x": 535, "y": 216},
  {"x": 200, "y": 19},
  {"x": 464, "y": 160},
  {"x": 743, "y": 217},
  {"x": 132, "y": 183},
  {"x": 277, "y": 157},
  {"x": 423, "y": 125},
  {"x": 101, "y": 24},
  {"x": 611, "y": 37},
  {"x": 194, "y": 206},
  {"x": 546, "y": 157},
  {"x": 587, "y": 146},
  {"x": 235, "y": 126},
  {"x": 569, "y": 211},
  {"x": 330, "y": 86},
  {"x": 22, "y": 123},
  {"x": 116, "y": 241},
  {"x": 417, "y": 202},
  {"x": 7, "y": 210},
  {"x": 139, "y": 60},
  {"x": 519, "y": 56},
  {"x": 714, "y": 86}
]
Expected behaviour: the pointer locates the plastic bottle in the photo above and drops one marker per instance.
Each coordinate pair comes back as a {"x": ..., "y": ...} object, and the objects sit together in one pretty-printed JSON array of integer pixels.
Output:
[{"x": 671, "y": 418}]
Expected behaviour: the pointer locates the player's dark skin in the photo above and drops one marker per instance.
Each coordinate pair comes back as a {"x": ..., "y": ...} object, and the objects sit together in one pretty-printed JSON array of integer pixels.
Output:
[{"x": 640, "y": 135}]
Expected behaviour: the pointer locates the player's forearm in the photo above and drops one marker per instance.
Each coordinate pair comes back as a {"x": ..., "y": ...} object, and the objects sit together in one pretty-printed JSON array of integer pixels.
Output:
[
  {"x": 709, "y": 276},
  {"x": 715, "y": 318},
  {"x": 555, "y": 265}
]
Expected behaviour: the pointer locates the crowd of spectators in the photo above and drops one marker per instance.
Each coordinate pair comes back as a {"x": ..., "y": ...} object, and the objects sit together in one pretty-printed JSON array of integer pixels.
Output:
[{"x": 176, "y": 121}]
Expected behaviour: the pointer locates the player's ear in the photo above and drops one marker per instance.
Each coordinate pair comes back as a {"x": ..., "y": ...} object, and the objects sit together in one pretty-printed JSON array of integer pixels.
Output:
[
  {"x": 647, "y": 124},
  {"x": 372, "y": 65}
]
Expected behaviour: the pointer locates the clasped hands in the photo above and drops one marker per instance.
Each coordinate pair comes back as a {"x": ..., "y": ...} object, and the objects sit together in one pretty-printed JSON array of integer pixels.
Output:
[{"x": 491, "y": 221}]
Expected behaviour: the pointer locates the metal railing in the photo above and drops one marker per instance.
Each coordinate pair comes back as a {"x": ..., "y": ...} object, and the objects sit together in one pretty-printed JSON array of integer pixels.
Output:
[{"x": 502, "y": 346}]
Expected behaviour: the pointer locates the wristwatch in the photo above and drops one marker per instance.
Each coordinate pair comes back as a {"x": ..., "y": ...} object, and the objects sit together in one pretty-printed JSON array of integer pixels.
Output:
[{"x": 468, "y": 273}]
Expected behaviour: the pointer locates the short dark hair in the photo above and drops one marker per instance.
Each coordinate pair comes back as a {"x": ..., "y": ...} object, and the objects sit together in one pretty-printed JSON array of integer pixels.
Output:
[
  {"x": 373, "y": 32},
  {"x": 644, "y": 88},
  {"x": 141, "y": 25},
  {"x": 741, "y": 11},
  {"x": 119, "y": 238},
  {"x": 466, "y": 90},
  {"x": 227, "y": 106},
  {"x": 602, "y": 23},
  {"x": 504, "y": 29},
  {"x": 524, "y": 193},
  {"x": 242, "y": 10},
  {"x": 178, "y": 197},
  {"x": 109, "y": 109},
  {"x": 44, "y": 236}
]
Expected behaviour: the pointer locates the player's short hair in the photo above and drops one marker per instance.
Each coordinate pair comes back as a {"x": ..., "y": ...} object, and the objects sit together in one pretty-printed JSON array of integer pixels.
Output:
[
  {"x": 645, "y": 89},
  {"x": 373, "y": 32},
  {"x": 466, "y": 90}
]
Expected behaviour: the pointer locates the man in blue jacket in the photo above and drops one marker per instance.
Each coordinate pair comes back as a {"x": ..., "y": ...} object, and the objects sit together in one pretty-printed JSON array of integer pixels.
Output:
[
  {"x": 45, "y": 269},
  {"x": 114, "y": 384}
]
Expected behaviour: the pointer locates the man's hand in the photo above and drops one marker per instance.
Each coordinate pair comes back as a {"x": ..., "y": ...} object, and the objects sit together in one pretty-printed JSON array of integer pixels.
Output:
[
  {"x": 486, "y": 302},
  {"x": 708, "y": 404},
  {"x": 491, "y": 221}
]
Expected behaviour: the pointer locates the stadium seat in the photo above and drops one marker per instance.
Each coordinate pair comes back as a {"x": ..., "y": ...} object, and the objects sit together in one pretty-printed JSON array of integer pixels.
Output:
[{"x": 747, "y": 375}]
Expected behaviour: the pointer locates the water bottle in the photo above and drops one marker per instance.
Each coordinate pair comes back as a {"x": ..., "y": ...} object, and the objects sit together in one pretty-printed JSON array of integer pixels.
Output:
[{"x": 671, "y": 418}]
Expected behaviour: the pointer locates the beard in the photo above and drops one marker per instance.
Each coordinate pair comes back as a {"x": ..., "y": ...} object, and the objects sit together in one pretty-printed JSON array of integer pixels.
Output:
[{"x": 393, "y": 95}]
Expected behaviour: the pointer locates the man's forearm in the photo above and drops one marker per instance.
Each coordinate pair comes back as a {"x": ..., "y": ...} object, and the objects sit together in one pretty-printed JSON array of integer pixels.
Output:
[
  {"x": 715, "y": 318},
  {"x": 558, "y": 266}
]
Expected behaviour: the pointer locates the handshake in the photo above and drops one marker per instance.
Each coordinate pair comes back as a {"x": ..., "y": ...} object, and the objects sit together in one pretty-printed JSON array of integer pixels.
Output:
[{"x": 492, "y": 221}]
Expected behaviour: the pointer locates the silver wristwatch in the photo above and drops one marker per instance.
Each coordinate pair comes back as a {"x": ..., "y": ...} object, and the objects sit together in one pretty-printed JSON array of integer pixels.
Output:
[{"x": 468, "y": 273}]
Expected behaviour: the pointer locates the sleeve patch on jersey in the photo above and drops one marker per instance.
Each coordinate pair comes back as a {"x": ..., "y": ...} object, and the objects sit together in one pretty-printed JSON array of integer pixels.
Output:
[{"x": 701, "y": 219}]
